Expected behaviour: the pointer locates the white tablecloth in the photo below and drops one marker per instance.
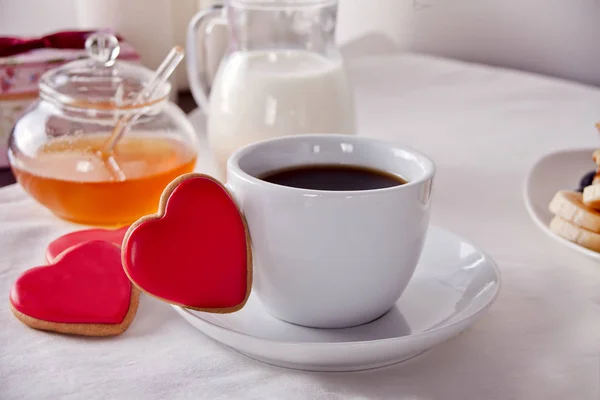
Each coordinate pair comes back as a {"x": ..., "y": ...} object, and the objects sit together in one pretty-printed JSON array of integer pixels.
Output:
[{"x": 483, "y": 127}]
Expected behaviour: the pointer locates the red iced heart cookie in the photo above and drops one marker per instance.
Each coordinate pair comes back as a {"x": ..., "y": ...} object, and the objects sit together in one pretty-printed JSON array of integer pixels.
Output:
[
  {"x": 195, "y": 252},
  {"x": 84, "y": 292},
  {"x": 65, "y": 242}
]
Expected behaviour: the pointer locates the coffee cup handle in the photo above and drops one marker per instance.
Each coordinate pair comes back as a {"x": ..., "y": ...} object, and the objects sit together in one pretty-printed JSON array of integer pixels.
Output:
[{"x": 197, "y": 86}]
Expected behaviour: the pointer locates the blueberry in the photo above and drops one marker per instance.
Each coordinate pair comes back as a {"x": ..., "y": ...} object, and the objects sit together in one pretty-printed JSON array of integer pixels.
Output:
[{"x": 586, "y": 180}]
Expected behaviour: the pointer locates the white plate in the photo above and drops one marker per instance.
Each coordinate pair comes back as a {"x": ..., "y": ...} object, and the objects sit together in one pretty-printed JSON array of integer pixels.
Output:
[
  {"x": 453, "y": 286},
  {"x": 556, "y": 171}
]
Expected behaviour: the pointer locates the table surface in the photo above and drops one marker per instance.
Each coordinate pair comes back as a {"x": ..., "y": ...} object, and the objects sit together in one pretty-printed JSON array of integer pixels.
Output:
[{"x": 484, "y": 127}]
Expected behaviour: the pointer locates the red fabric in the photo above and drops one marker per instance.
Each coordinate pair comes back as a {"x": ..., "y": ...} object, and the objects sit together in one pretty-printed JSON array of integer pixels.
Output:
[
  {"x": 65, "y": 242},
  {"x": 10, "y": 46},
  {"x": 196, "y": 254},
  {"x": 87, "y": 285}
]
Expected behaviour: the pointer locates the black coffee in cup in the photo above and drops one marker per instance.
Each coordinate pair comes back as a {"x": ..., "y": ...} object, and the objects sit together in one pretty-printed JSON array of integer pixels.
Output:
[{"x": 333, "y": 178}]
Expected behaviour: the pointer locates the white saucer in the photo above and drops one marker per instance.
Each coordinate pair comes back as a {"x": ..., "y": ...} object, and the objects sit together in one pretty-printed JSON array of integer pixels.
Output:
[
  {"x": 556, "y": 171},
  {"x": 453, "y": 286}
]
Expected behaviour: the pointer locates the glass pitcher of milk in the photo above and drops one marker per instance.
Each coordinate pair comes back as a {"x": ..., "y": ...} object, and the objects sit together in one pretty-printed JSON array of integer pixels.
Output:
[{"x": 281, "y": 75}]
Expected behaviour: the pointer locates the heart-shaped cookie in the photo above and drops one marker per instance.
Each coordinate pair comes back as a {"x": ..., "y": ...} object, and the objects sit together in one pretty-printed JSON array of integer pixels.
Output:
[
  {"x": 195, "y": 252},
  {"x": 65, "y": 242},
  {"x": 84, "y": 292}
]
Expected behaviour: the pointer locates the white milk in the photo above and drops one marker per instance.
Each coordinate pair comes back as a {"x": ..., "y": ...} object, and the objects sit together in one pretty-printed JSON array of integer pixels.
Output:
[{"x": 264, "y": 94}]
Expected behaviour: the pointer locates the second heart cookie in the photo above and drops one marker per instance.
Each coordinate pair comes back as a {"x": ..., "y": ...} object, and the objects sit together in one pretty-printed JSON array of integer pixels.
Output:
[
  {"x": 65, "y": 242},
  {"x": 84, "y": 292}
]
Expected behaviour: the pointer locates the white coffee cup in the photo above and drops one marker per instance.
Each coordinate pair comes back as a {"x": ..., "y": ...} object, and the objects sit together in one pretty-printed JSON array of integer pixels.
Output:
[{"x": 332, "y": 259}]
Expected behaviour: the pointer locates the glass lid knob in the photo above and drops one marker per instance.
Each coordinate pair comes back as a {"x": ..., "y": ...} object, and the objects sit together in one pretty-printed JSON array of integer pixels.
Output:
[{"x": 103, "y": 48}]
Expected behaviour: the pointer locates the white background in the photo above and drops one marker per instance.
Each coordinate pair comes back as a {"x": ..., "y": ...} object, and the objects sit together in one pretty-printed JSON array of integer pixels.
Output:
[{"x": 556, "y": 37}]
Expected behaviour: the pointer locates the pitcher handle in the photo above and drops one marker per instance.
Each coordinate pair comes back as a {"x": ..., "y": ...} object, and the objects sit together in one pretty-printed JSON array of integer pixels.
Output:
[{"x": 196, "y": 85}]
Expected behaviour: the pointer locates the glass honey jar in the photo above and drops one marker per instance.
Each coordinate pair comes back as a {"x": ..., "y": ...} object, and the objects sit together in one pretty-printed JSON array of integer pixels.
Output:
[{"x": 56, "y": 147}]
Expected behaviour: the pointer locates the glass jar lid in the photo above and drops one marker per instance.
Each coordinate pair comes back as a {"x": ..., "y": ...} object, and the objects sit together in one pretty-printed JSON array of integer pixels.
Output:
[{"x": 100, "y": 81}]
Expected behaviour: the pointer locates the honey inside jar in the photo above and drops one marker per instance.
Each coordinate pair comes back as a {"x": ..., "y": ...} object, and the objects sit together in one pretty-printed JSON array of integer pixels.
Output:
[{"x": 70, "y": 177}]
